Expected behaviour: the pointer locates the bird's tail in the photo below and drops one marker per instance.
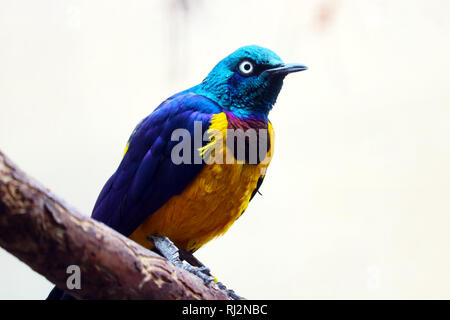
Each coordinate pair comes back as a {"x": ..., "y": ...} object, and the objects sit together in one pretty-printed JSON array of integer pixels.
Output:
[{"x": 58, "y": 294}]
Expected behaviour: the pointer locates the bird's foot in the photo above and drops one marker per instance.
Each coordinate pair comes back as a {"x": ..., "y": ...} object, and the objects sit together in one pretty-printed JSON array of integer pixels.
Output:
[
  {"x": 230, "y": 293},
  {"x": 166, "y": 248},
  {"x": 170, "y": 251},
  {"x": 191, "y": 259},
  {"x": 201, "y": 272}
]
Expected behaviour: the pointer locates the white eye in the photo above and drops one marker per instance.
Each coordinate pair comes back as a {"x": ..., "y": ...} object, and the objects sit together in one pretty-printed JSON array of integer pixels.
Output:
[{"x": 245, "y": 68}]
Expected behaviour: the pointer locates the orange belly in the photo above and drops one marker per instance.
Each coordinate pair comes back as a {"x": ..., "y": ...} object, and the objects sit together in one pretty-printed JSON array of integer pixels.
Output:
[
  {"x": 210, "y": 203},
  {"x": 205, "y": 209}
]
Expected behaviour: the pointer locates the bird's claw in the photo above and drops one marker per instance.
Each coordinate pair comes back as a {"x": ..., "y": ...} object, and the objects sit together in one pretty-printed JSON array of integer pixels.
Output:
[
  {"x": 205, "y": 270},
  {"x": 166, "y": 247},
  {"x": 170, "y": 251},
  {"x": 199, "y": 272},
  {"x": 231, "y": 294}
]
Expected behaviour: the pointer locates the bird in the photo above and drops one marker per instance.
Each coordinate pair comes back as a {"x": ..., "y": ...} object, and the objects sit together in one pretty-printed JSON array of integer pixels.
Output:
[{"x": 182, "y": 180}]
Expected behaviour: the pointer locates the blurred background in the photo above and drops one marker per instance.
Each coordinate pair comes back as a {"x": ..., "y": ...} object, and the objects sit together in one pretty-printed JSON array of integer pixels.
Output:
[{"x": 356, "y": 202}]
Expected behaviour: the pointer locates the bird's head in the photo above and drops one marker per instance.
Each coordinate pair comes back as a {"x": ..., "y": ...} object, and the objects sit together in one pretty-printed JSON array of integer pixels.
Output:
[{"x": 248, "y": 80}]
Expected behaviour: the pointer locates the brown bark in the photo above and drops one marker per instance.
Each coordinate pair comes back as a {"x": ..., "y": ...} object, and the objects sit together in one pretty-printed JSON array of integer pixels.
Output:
[{"x": 48, "y": 235}]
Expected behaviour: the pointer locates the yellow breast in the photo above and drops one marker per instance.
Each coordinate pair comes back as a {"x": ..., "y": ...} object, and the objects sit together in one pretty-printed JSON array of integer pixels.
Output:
[{"x": 211, "y": 202}]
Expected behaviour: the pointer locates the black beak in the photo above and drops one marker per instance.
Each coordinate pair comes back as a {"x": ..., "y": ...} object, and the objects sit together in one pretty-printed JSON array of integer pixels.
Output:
[{"x": 286, "y": 68}]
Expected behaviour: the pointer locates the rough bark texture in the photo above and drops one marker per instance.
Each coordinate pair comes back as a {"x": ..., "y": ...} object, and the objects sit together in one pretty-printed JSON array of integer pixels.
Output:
[{"x": 48, "y": 235}]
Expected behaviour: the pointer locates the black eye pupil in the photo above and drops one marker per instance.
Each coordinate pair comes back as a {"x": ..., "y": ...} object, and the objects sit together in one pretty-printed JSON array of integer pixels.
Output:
[{"x": 245, "y": 68}]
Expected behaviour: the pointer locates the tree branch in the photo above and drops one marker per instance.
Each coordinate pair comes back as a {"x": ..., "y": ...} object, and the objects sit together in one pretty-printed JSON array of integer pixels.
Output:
[{"x": 48, "y": 235}]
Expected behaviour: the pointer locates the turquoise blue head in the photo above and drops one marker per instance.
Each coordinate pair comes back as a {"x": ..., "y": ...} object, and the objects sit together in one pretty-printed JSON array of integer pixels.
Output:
[{"x": 248, "y": 81}]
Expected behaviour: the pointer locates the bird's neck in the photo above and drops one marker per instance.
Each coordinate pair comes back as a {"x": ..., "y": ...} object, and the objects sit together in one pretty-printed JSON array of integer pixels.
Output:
[
  {"x": 241, "y": 109},
  {"x": 254, "y": 121},
  {"x": 250, "y": 112}
]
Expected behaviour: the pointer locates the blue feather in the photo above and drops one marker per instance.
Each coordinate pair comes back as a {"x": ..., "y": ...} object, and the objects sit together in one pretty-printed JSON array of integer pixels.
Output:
[{"x": 146, "y": 177}]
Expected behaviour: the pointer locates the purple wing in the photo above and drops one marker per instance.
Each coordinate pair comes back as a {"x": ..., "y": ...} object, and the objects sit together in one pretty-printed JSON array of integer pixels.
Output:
[{"x": 147, "y": 178}]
